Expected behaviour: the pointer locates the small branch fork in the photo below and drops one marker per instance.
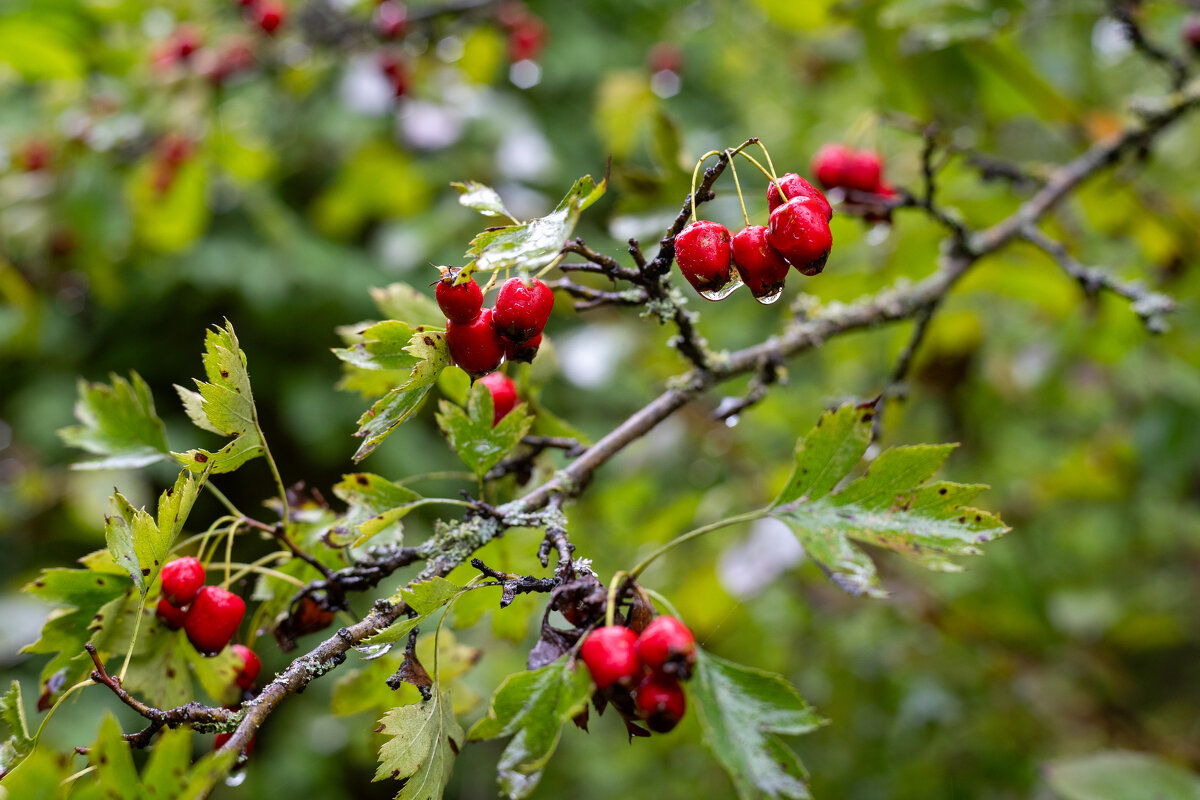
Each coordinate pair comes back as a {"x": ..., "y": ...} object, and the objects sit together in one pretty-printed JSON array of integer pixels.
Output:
[{"x": 1123, "y": 12}]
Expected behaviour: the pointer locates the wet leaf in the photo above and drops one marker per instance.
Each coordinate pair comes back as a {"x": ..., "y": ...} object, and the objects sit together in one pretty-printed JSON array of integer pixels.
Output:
[
  {"x": 472, "y": 435},
  {"x": 483, "y": 199},
  {"x": 424, "y": 741},
  {"x": 117, "y": 423}
]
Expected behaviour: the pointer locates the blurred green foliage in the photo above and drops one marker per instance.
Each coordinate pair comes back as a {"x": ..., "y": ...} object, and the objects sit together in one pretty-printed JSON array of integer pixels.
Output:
[{"x": 302, "y": 187}]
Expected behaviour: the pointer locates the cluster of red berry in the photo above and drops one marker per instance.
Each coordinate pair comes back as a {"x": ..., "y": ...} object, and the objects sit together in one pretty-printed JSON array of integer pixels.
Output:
[
  {"x": 268, "y": 15},
  {"x": 480, "y": 339},
  {"x": 526, "y": 31},
  {"x": 209, "y": 615},
  {"x": 837, "y": 166},
  {"x": 185, "y": 48},
  {"x": 798, "y": 235},
  {"x": 644, "y": 668}
]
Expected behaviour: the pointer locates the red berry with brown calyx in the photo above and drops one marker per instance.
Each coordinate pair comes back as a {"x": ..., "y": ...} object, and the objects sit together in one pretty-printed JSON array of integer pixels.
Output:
[
  {"x": 475, "y": 346},
  {"x": 249, "y": 665},
  {"x": 181, "y": 579},
  {"x": 171, "y": 616},
  {"x": 504, "y": 394},
  {"x": 668, "y": 646},
  {"x": 213, "y": 619},
  {"x": 801, "y": 233},
  {"x": 795, "y": 186},
  {"x": 611, "y": 657},
  {"x": 1191, "y": 32},
  {"x": 459, "y": 302},
  {"x": 524, "y": 352},
  {"x": 704, "y": 255},
  {"x": 661, "y": 702},
  {"x": 886, "y": 194},
  {"x": 269, "y": 15},
  {"x": 391, "y": 19},
  {"x": 762, "y": 268},
  {"x": 522, "y": 309},
  {"x": 831, "y": 164},
  {"x": 864, "y": 173}
]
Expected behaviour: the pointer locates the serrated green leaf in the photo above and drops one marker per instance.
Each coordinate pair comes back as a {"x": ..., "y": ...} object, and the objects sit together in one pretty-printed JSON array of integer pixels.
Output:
[
  {"x": 403, "y": 302},
  {"x": 742, "y": 713},
  {"x": 18, "y": 743},
  {"x": 165, "y": 773},
  {"x": 432, "y": 355},
  {"x": 425, "y": 740},
  {"x": 118, "y": 423},
  {"x": 223, "y": 405},
  {"x": 424, "y": 598},
  {"x": 891, "y": 506},
  {"x": 478, "y": 443},
  {"x": 376, "y": 505},
  {"x": 482, "y": 198},
  {"x": 1121, "y": 775},
  {"x": 138, "y": 544},
  {"x": 384, "y": 345},
  {"x": 532, "y": 245},
  {"x": 111, "y": 757},
  {"x": 207, "y": 773},
  {"x": 532, "y": 707}
]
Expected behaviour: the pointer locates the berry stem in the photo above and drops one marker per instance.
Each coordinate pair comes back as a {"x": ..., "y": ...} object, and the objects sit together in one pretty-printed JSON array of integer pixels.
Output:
[
  {"x": 770, "y": 175},
  {"x": 610, "y": 611},
  {"x": 696, "y": 174},
  {"x": 137, "y": 626},
  {"x": 738, "y": 186},
  {"x": 749, "y": 516},
  {"x": 662, "y": 601},
  {"x": 225, "y": 501},
  {"x": 259, "y": 567}
]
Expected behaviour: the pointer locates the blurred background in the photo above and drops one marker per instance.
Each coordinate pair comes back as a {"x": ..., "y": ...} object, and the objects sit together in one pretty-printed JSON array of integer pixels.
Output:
[{"x": 167, "y": 165}]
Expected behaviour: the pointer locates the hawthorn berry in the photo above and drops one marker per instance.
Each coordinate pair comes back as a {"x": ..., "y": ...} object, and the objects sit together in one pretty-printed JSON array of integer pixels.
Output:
[
  {"x": 461, "y": 303},
  {"x": 667, "y": 646},
  {"x": 249, "y": 666},
  {"x": 504, "y": 394},
  {"x": 864, "y": 171},
  {"x": 185, "y": 41},
  {"x": 801, "y": 233},
  {"x": 704, "y": 255},
  {"x": 475, "y": 346},
  {"x": 213, "y": 619},
  {"x": 396, "y": 71},
  {"x": 525, "y": 351},
  {"x": 269, "y": 15},
  {"x": 795, "y": 186},
  {"x": 886, "y": 192},
  {"x": 660, "y": 701},
  {"x": 181, "y": 579},
  {"x": 761, "y": 267},
  {"x": 831, "y": 164},
  {"x": 610, "y": 656},
  {"x": 391, "y": 19},
  {"x": 526, "y": 38},
  {"x": 35, "y": 155},
  {"x": 171, "y": 616},
  {"x": 522, "y": 309},
  {"x": 1191, "y": 32}
]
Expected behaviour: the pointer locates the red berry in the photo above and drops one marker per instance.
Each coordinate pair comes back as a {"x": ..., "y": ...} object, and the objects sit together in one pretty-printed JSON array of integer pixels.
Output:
[
  {"x": 475, "y": 346},
  {"x": 666, "y": 645},
  {"x": 526, "y": 38},
  {"x": 461, "y": 303},
  {"x": 522, "y": 309},
  {"x": 186, "y": 41},
  {"x": 665, "y": 57},
  {"x": 269, "y": 15},
  {"x": 391, "y": 18},
  {"x": 1191, "y": 32},
  {"x": 171, "y": 616},
  {"x": 762, "y": 267},
  {"x": 610, "y": 656},
  {"x": 213, "y": 619},
  {"x": 525, "y": 351},
  {"x": 887, "y": 193},
  {"x": 661, "y": 702},
  {"x": 396, "y": 71},
  {"x": 795, "y": 186},
  {"x": 35, "y": 155},
  {"x": 801, "y": 233},
  {"x": 831, "y": 164},
  {"x": 504, "y": 394},
  {"x": 249, "y": 667},
  {"x": 181, "y": 579},
  {"x": 702, "y": 250},
  {"x": 221, "y": 738},
  {"x": 864, "y": 172}
]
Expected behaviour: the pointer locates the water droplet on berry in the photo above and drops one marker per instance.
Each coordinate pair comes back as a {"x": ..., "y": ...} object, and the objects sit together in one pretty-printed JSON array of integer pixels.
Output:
[
  {"x": 729, "y": 288},
  {"x": 236, "y": 779},
  {"x": 770, "y": 297}
]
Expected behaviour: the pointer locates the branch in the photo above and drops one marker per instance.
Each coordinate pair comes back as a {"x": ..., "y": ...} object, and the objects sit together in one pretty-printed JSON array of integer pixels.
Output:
[{"x": 1121, "y": 11}]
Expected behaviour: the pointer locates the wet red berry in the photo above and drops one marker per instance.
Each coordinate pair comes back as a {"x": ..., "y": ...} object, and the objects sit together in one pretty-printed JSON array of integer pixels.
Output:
[
  {"x": 248, "y": 667},
  {"x": 171, "y": 616},
  {"x": 391, "y": 18},
  {"x": 269, "y": 15},
  {"x": 661, "y": 702},
  {"x": 396, "y": 71},
  {"x": 475, "y": 346},
  {"x": 831, "y": 164},
  {"x": 761, "y": 267},
  {"x": 610, "y": 656},
  {"x": 213, "y": 619},
  {"x": 504, "y": 394},
  {"x": 461, "y": 303},
  {"x": 703, "y": 252},
  {"x": 795, "y": 186},
  {"x": 181, "y": 579},
  {"x": 522, "y": 309},
  {"x": 1191, "y": 32},
  {"x": 526, "y": 38},
  {"x": 801, "y": 233},
  {"x": 864, "y": 171},
  {"x": 35, "y": 155},
  {"x": 666, "y": 645},
  {"x": 524, "y": 352}
]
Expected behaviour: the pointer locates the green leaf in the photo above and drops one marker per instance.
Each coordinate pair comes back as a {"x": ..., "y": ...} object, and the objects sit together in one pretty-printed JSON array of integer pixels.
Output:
[
  {"x": 376, "y": 505},
  {"x": 403, "y": 302},
  {"x": 383, "y": 346},
  {"x": 1121, "y": 775},
  {"x": 223, "y": 405},
  {"x": 432, "y": 355},
  {"x": 425, "y": 740},
  {"x": 471, "y": 434},
  {"x": 424, "y": 598},
  {"x": 113, "y": 760},
  {"x": 165, "y": 773},
  {"x": 891, "y": 506},
  {"x": 532, "y": 245},
  {"x": 118, "y": 423},
  {"x": 743, "y": 712},
  {"x": 19, "y": 743},
  {"x": 483, "y": 199},
  {"x": 37, "y": 49},
  {"x": 140, "y": 545},
  {"x": 532, "y": 707}
]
